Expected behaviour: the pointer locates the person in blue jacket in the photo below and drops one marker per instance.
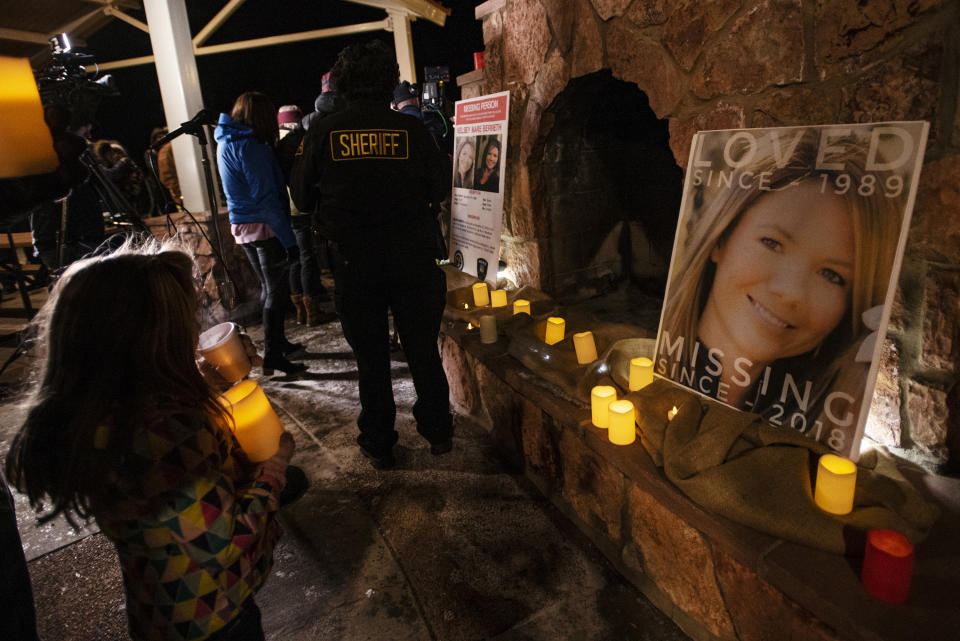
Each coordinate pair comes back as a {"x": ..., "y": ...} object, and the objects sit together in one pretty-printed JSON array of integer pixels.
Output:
[{"x": 260, "y": 214}]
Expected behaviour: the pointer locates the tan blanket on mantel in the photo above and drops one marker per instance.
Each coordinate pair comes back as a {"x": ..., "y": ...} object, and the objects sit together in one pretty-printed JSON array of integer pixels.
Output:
[{"x": 730, "y": 463}]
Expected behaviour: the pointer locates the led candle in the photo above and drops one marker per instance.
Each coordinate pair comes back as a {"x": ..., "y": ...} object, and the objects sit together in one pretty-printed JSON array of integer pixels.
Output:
[
  {"x": 600, "y": 398},
  {"x": 555, "y": 329},
  {"x": 488, "y": 329},
  {"x": 641, "y": 373},
  {"x": 887, "y": 565},
  {"x": 622, "y": 423},
  {"x": 521, "y": 306},
  {"x": 256, "y": 425},
  {"x": 24, "y": 137},
  {"x": 498, "y": 298},
  {"x": 671, "y": 413},
  {"x": 836, "y": 480},
  {"x": 481, "y": 296},
  {"x": 586, "y": 347}
]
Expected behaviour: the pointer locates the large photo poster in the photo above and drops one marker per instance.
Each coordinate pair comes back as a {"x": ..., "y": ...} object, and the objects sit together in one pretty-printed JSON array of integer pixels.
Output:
[
  {"x": 784, "y": 267},
  {"x": 479, "y": 157}
]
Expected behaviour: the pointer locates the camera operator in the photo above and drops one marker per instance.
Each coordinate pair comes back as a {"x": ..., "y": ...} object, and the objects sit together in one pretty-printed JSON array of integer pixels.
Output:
[{"x": 407, "y": 101}]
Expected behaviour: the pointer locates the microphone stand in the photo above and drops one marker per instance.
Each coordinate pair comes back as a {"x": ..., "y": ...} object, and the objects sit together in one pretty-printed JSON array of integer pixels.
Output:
[{"x": 195, "y": 127}]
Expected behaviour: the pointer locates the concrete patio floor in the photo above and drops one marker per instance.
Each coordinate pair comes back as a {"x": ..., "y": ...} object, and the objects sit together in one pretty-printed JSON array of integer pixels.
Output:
[{"x": 456, "y": 547}]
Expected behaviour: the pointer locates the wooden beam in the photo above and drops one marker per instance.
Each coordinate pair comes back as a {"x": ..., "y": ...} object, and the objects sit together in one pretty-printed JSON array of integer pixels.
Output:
[
  {"x": 427, "y": 9},
  {"x": 32, "y": 37},
  {"x": 130, "y": 20},
  {"x": 204, "y": 34}
]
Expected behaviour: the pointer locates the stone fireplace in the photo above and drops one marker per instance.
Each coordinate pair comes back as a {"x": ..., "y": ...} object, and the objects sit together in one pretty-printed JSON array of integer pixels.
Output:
[{"x": 606, "y": 96}]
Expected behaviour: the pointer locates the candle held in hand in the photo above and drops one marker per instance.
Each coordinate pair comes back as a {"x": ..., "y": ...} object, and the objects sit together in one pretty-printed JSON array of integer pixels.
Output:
[{"x": 256, "y": 425}]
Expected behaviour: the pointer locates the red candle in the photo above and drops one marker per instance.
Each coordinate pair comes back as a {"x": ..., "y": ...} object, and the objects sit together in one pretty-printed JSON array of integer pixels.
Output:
[{"x": 887, "y": 565}]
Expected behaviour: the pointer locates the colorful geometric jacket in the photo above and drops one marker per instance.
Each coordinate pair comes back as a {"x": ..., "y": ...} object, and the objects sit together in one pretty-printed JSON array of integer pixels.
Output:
[{"x": 194, "y": 537}]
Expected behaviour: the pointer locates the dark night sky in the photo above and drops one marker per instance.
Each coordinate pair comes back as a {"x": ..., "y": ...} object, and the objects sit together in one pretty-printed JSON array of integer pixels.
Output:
[{"x": 289, "y": 73}]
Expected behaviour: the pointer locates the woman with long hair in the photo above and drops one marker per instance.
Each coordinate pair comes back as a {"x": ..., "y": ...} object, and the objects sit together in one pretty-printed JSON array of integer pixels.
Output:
[
  {"x": 124, "y": 428},
  {"x": 487, "y": 177},
  {"x": 260, "y": 214},
  {"x": 463, "y": 175},
  {"x": 772, "y": 277}
]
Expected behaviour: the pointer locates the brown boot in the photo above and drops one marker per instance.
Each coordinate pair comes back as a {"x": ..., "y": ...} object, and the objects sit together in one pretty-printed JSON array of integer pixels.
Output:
[
  {"x": 315, "y": 313},
  {"x": 299, "y": 305}
]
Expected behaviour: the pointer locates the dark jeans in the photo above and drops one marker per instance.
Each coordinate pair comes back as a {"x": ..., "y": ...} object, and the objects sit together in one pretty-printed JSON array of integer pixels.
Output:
[
  {"x": 246, "y": 627},
  {"x": 306, "y": 279},
  {"x": 269, "y": 261},
  {"x": 370, "y": 280}
]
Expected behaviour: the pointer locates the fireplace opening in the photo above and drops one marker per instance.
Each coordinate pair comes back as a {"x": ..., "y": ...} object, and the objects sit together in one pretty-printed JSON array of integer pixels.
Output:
[{"x": 611, "y": 191}]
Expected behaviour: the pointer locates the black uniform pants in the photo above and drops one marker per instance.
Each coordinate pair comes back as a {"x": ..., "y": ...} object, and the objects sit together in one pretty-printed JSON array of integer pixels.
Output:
[{"x": 371, "y": 279}]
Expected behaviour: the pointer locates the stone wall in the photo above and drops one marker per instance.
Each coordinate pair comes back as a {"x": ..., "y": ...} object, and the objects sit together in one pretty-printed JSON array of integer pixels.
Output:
[{"x": 714, "y": 64}]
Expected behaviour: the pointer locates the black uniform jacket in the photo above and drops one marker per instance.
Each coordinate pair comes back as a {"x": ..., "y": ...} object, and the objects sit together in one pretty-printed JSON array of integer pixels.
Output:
[{"x": 368, "y": 171}]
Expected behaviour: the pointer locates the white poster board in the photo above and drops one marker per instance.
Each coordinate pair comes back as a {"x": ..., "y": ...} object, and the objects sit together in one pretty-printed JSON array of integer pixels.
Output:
[
  {"x": 784, "y": 269},
  {"x": 479, "y": 172}
]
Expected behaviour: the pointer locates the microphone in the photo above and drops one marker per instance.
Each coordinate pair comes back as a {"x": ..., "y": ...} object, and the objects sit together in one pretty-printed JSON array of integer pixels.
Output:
[{"x": 192, "y": 126}]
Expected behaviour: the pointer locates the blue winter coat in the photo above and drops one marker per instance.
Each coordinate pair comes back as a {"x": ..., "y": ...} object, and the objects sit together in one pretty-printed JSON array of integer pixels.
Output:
[{"x": 252, "y": 180}]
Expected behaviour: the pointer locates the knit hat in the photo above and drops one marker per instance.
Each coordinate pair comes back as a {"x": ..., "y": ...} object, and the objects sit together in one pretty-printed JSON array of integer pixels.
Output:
[
  {"x": 404, "y": 91},
  {"x": 289, "y": 116},
  {"x": 326, "y": 83}
]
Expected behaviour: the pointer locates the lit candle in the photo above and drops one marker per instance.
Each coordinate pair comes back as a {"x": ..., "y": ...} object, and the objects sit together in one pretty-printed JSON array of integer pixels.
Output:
[
  {"x": 555, "y": 329},
  {"x": 600, "y": 398},
  {"x": 622, "y": 422},
  {"x": 585, "y": 346},
  {"x": 255, "y": 424},
  {"x": 671, "y": 413},
  {"x": 488, "y": 329},
  {"x": 27, "y": 144},
  {"x": 641, "y": 373},
  {"x": 466, "y": 306},
  {"x": 887, "y": 565},
  {"x": 836, "y": 480},
  {"x": 481, "y": 296},
  {"x": 521, "y": 306},
  {"x": 498, "y": 298},
  {"x": 469, "y": 326}
]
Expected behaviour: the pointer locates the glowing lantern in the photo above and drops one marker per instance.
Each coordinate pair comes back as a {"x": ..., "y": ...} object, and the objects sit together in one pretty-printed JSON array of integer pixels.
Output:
[
  {"x": 641, "y": 373},
  {"x": 256, "y": 425},
  {"x": 600, "y": 398},
  {"x": 622, "y": 421},
  {"x": 555, "y": 329},
  {"x": 25, "y": 140},
  {"x": 836, "y": 480}
]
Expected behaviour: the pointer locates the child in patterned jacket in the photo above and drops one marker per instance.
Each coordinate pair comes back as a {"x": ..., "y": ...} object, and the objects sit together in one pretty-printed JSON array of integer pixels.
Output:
[{"x": 124, "y": 428}]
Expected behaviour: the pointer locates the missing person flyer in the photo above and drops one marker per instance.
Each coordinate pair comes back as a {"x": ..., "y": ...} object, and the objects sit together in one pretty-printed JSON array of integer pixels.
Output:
[
  {"x": 784, "y": 268},
  {"x": 479, "y": 158}
]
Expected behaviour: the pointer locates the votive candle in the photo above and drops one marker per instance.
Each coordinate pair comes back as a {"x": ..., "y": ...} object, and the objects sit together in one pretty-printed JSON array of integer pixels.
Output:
[
  {"x": 255, "y": 424},
  {"x": 887, "y": 565},
  {"x": 600, "y": 398},
  {"x": 481, "y": 296},
  {"x": 836, "y": 480},
  {"x": 671, "y": 413},
  {"x": 555, "y": 330},
  {"x": 622, "y": 421},
  {"x": 488, "y": 329},
  {"x": 498, "y": 298},
  {"x": 641, "y": 373},
  {"x": 585, "y": 346},
  {"x": 521, "y": 306}
]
